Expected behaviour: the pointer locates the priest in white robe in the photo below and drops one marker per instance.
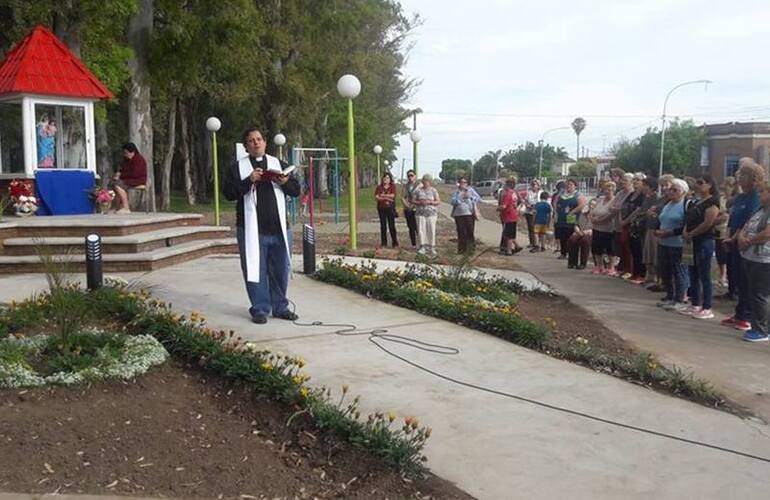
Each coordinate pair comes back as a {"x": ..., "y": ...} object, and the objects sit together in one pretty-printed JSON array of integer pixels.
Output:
[{"x": 259, "y": 188}]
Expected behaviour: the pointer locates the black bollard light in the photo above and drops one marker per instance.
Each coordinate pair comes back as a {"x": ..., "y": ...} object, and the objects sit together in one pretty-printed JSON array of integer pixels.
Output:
[
  {"x": 94, "y": 278},
  {"x": 308, "y": 249}
]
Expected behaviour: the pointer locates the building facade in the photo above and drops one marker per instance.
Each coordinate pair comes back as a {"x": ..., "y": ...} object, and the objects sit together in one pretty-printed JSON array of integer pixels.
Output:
[{"x": 726, "y": 143}]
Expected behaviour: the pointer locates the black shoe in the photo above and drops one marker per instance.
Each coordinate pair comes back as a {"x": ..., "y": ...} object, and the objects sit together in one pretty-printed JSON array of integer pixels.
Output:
[
  {"x": 571, "y": 266},
  {"x": 581, "y": 266},
  {"x": 259, "y": 319},
  {"x": 561, "y": 257},
  {"x": 288, "y": 315},
  {"x": 518, "y": 249}
]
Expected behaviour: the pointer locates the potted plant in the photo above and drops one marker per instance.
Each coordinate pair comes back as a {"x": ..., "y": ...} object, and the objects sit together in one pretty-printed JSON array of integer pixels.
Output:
[{"x": 22, "y": 198}]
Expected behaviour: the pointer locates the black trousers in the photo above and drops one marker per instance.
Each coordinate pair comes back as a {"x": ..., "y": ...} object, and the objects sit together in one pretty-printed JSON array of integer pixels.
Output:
[
  {"x": 758, "y": 285},
  {"x": 562, "y": 234},
  {"x": 637, "y": 244},
  {"x": 388, "y": 217},
  {"x": 465, "y": 227},
  {"x": 411, "y": 223},
  {"x": 531, "y": 228}
]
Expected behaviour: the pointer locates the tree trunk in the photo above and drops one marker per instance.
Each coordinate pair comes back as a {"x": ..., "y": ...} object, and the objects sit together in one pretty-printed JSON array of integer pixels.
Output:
[
  {"x": 188, "y": 183},
  {"x": 66, "y": 27},
  {"x": 166, "y": 176},
  {"x": 103, "y": 154},
  {"x": 139, "y": 103}
]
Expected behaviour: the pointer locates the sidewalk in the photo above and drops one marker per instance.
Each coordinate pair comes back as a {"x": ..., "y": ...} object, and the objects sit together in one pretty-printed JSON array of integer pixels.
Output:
[
  {"x": 491, "y": 446},
  {"x": 739, "y": 369}
]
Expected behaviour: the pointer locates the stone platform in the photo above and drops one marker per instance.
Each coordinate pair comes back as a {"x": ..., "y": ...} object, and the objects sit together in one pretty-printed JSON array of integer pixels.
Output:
[{"x": 133, "y": 242}]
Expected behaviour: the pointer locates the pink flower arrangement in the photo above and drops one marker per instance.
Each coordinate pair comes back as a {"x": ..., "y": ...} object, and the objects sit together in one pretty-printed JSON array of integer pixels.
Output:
[{"x": 104, "y": 196}]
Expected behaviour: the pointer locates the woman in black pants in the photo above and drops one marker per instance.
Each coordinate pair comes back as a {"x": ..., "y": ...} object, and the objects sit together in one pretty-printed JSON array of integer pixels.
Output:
[
  {"x": 409, "y": 208},
  {"x": 569, "y": 205},
  {"x": 385, "y": 194}
]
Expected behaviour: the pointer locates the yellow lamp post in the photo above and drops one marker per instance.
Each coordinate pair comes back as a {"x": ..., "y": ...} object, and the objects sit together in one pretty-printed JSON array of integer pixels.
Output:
[{"x": 213, "y": 125}]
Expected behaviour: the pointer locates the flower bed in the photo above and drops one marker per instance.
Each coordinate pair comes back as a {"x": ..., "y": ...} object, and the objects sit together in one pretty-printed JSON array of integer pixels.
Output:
[
  {"x": 124, "y": 358},
  {"x": 489, "y": 305},
  {"x": 28, "y": 327}
]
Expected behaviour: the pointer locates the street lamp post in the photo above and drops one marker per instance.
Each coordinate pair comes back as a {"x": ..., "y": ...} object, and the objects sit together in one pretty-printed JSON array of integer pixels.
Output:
[
  {"x": 279, "y": 140},
  {"x": 542, "y": 142},
  {"x": 663, "y": 119},
  {"x": 416, "y": 137},
  {"x": 349, "y": 87},
  {"x": 378, "y": 151},
  {"x": 213, "y": 124}
]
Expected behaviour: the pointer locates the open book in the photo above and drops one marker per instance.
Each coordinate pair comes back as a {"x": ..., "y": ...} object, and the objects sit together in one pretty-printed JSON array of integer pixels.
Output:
[{"x": 272, "y": 174}]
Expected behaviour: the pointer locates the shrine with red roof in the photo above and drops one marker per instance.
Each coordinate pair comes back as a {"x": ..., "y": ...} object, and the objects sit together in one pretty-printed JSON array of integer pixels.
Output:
[{"x": 46, "y": 108}]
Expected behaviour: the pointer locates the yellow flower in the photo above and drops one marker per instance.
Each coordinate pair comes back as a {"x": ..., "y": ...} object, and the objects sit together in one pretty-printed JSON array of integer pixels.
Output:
[
  {"x": 304, "y": 392},
  {"x": 345, "y": 388},
  {"x": 391, "y": 416},
  {"x": 267, "y": 366}
]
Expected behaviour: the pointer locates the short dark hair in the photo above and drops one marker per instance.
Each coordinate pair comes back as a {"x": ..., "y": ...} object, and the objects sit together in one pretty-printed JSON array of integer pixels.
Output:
[
  {"x": 389, "y": 176},
  {"x": 462, "y": 178},
  {"x": 544, "y": 195},
  {"x": 651, "y": 182},
  {"x": 410, "y": 171},
  {"x": 249, "y": 130},
  {"x": 714, "y": 191},
  {"x": 130, "y": 147}
]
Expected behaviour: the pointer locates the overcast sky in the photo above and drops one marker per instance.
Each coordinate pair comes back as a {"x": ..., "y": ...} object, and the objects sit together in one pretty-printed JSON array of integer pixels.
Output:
[{"x": 542, "y": 63}]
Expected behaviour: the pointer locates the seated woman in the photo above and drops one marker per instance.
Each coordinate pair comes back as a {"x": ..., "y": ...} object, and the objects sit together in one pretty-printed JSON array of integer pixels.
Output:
[{"x": 132, "y": 173}]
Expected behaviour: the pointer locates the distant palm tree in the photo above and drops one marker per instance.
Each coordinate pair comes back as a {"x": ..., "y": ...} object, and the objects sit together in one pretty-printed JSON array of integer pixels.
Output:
[{"x": 578, "y": 124}]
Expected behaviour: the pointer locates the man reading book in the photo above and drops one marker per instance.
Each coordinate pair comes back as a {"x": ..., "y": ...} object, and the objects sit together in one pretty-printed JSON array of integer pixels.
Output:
[{"x": 260, "y": 183}]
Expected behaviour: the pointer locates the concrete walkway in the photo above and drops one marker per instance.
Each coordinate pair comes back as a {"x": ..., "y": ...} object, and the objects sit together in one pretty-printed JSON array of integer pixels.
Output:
[
  {"x": 739, "y": 369},
  {"x": 491, "y": 446}
]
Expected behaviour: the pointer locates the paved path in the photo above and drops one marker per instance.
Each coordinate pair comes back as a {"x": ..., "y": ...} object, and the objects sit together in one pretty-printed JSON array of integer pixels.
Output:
[
  {"x": 711, "y": 351},
  {"x": 491, "y": 446}
]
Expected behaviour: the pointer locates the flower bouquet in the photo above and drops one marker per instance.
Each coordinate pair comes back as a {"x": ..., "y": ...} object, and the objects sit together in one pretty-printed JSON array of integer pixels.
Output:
[
  {"x": 22, "y": 198},
  {"x": 102, "y": 198}
]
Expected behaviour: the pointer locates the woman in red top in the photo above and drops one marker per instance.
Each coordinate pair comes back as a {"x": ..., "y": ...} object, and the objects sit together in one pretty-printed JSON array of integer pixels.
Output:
[
  {"x": 385, "y": 194},
  {"x": 132, "y": 173},
  {"x": 509, "y": 216}
]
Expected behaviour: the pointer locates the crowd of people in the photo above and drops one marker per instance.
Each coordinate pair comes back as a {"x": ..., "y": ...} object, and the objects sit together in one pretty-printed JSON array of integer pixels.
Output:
[
  {"x": 667, "y": 234},
  {"x": 662, "y": 233}
]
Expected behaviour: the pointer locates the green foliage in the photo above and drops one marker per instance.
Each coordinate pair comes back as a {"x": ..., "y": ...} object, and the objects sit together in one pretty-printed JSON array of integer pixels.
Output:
[
  {"x": 682, "y": 153},
  {"x": 82, "y": 350},
  {"x": 583, "y": 168},
  {"x": 524, "y": 160},
  {"x": 451, "y": 169}
]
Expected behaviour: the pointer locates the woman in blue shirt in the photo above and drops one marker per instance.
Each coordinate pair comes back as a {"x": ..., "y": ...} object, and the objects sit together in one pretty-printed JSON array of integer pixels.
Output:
[
  {"x": 464, "y": 202},
  {"x": 673, "y": 272}
]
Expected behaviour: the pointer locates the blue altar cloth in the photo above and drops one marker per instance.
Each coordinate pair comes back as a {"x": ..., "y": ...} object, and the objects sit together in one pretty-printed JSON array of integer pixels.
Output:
[{"x": 64, "y": 192}]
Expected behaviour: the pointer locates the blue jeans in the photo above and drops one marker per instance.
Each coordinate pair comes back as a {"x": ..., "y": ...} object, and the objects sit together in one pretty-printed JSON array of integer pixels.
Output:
[
  {"x": 673, "y": 272},
  {"x": 700, "y": 274},
  {"x": 270, "y": 293}
]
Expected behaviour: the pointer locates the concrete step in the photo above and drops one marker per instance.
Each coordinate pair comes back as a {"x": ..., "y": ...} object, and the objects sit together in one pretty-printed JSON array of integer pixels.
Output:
[
  {"x": 105, "y": 225},
  {"x": 132, "y": 243},
  {"x": 123, "y": 262}
]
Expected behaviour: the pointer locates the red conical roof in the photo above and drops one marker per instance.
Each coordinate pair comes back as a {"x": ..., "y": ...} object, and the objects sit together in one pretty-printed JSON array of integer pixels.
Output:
[{"x": 42, "y": 64}]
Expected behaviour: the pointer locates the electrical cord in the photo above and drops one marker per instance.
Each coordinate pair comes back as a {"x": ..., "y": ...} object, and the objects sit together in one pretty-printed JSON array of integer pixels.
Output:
[{"x": 375, "y": 334}]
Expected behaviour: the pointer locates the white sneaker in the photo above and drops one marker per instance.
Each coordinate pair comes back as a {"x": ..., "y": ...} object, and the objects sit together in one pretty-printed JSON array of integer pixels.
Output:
[
  {"x": 433, "y": 252},
  {"x": 123, "y": 211},
  {"x": 688, "y": 310},
  {"x": 675, "y": 306},
  {"x": 421, "y": 250},
  {"x": 703, "y": 314}
]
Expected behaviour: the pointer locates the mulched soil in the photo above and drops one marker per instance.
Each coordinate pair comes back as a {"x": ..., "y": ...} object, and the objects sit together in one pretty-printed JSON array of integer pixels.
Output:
[{"x": 176, "y": 432}]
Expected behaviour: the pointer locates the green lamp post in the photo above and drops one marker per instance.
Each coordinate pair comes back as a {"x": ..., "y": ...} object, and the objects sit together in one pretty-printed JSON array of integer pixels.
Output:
[
  {"x": 416, "y": 137},
  {"x": 378, "y": 151},
  {"x": 213, "y": 125},
  {"x": 349, "y": 87}
]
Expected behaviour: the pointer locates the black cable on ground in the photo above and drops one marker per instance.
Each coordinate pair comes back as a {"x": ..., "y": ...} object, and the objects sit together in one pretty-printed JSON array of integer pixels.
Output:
[{"x": 350, "y": 330}]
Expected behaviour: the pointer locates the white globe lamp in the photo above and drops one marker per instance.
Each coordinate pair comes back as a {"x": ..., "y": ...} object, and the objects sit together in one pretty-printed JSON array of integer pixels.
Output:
[
  {"x": 213, "y": 124},
  {"x": 348, "y": 86}
]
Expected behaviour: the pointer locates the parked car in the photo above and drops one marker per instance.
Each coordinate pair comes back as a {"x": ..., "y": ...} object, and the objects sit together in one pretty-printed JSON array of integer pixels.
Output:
[{"x": 487, "y": 188}]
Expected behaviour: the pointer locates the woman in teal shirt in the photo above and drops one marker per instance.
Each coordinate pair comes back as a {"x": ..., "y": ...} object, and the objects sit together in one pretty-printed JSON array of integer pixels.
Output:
[{"x": 673, "y": 272}]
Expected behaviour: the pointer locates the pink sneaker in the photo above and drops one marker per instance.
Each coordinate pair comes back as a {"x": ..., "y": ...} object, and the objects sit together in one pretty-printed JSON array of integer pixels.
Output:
[
  {"x": 703, "y": 314},
  {"x": 597, "y": 270}
]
